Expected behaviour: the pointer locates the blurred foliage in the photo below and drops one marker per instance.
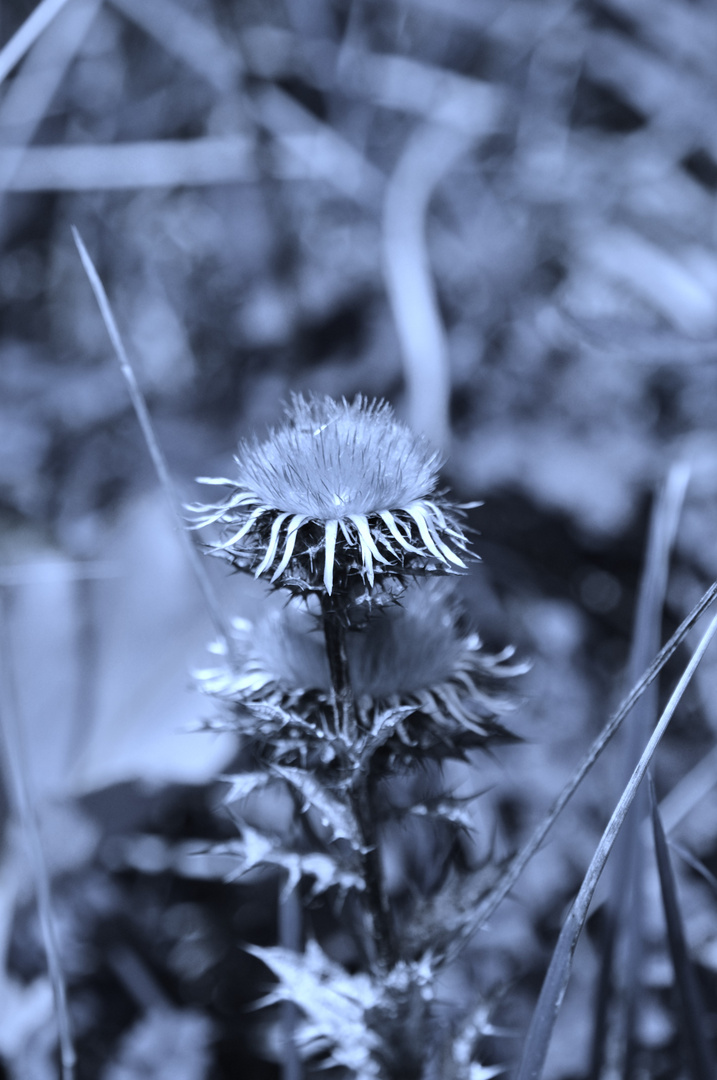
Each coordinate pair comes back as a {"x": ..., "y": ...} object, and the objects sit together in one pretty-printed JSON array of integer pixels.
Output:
[{"x": 499, "y": 214}]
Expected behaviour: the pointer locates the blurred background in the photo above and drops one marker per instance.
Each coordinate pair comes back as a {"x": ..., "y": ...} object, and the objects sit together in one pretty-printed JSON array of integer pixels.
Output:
[{"x": 500, "y": 215}]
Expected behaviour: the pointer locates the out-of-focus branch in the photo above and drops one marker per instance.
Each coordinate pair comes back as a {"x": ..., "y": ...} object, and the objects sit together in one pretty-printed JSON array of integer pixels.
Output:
[
  {"x": 428, "y": 156},
  {"x": 35, "y": 85},
  {"x": 27, "y": 34},
  {"x": 165, "y": 163},
  {"x": 191, "y": 39}
]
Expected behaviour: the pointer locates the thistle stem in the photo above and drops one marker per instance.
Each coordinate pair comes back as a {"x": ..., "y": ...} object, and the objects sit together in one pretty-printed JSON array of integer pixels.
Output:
[
  {"x": 362, "y": 791},
  {"x": 362, "y": 804},
  {"x": 335, "y": 637}
]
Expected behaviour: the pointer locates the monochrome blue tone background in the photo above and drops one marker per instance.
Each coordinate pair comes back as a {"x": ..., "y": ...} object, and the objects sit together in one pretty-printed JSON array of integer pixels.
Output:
[{"x": 499, "y": 215}]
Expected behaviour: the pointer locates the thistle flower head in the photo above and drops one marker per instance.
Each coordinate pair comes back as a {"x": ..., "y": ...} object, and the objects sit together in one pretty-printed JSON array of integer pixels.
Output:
[
  {"x": 341, "y": 494},
  {"x": 414, "y": 657}
]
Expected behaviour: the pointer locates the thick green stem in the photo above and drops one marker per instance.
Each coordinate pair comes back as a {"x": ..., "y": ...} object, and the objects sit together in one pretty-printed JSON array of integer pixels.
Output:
[
  {"x": 362, "y": 803},
  {"x": 335, "y": 636},
  {"x": 362, "y": 788}
]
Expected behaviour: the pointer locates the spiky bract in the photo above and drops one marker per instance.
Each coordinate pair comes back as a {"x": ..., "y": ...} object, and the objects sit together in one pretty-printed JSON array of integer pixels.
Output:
[{"x": 340, "y": 496}]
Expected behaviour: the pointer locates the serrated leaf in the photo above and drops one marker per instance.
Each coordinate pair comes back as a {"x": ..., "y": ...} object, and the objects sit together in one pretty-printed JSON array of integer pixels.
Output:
[
  {"x": 384, "y": 726},
  {"x": 335, "y": 815},
  {"x": 256, "y": 849},
  {"x": 243, "y": 784},
  {"x": 335, "y": 1005}
]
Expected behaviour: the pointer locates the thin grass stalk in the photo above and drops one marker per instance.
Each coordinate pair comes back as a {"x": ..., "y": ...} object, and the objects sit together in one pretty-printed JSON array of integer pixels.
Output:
[
  {"x": 18, "y": 786},
  {"x": 693, "y": 862},
  {"x": 622, "y": 954},
  {"x": 30, "y": 94},
  {"x": 697, "y": 1051},
  {"x": 27, "y": 34},
  {"x": 556, "y": 980},
  {"x": 221, "y": 625},
  {"x": 516, "y": 866}
]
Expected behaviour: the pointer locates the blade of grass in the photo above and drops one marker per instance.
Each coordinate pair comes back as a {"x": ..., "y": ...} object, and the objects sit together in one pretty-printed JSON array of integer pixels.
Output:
[
  {"x": 698, "y": 1054},
  {"x": 622, "y": 949},
  {"x": 698, "y": 866},
  {"x": 518, "y": 863},
  {"x": 556, "y": 979},
  {"x": 27, "y": 34},
  {"x": 12, "y": 758},
  {"x": 158, "y": 459}
]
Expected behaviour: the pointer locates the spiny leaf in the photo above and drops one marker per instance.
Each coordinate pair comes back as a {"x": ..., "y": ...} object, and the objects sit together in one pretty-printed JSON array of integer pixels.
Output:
[
  {"x": 243, "y": 784},
  {"x": 335, "y": 1005},
  {"x": 256, "y": 849},
  {"x": 335, "y": 815}
]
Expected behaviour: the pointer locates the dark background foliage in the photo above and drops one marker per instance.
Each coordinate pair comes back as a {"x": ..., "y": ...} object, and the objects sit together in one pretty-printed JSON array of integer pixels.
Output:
[{"x": 499, "y": 215}]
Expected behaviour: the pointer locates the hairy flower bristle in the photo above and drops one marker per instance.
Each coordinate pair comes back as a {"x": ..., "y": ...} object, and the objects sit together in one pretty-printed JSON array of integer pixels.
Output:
[{"x": 341, "y": 491}]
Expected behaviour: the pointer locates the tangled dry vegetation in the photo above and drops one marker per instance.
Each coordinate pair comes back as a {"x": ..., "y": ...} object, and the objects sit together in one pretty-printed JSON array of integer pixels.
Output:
[{"x": 499, "y": 215}]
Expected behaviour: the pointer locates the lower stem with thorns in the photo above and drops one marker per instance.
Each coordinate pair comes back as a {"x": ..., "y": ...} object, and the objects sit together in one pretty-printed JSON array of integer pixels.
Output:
[{"x": 362, "y": 791}]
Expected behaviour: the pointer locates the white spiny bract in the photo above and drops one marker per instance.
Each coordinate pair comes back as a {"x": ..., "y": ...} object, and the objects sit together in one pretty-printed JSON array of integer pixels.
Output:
[{"x": 342, "y": 490}]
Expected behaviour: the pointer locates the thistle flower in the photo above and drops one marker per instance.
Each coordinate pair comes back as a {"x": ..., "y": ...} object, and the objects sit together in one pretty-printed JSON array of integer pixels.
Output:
[
  {"x": 342, "y": 494},
  {"x": 413, "y": 657}
]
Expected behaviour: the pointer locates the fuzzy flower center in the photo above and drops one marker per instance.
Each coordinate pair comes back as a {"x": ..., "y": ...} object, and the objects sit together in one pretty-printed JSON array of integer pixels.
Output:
[{"x": 334, "y": 459}]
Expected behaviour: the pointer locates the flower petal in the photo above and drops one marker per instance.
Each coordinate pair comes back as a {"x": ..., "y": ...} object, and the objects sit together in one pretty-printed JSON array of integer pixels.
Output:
[
  {"x": 432, "y": 542},
  {"x": 220, "y": 481},
  {"x": 440, "y": 516},
  {"x": 294, "y": 526},
  {"x": 388, "y": 518},
  {"x": 244, "y": 529},
  {"x": 344, "y": 526},
  {"x": 417, "y": 512},
  {"x": 451, "y": 555},
  {"x": 361, "y": 523},
  {"x": 330, "y": 547},
  {"x": 270, "y": 554},
  {"x": 367, "y": 561}
]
